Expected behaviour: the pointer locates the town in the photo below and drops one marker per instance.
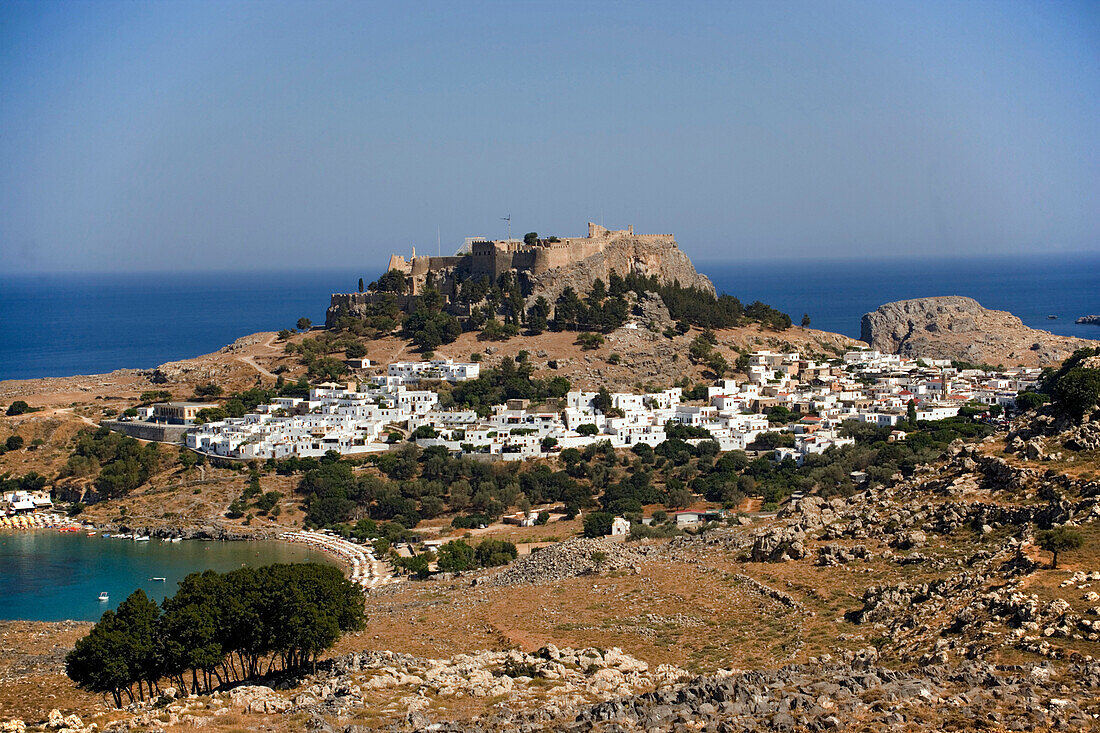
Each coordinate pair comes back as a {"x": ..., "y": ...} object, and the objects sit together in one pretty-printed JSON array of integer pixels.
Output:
[{"x": 784, "y": 393}]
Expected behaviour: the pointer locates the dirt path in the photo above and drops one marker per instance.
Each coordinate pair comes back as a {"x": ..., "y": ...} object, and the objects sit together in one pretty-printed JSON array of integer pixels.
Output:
[
  {"x": 69, "y": 411},
  {"x": 250, "y": 360}
]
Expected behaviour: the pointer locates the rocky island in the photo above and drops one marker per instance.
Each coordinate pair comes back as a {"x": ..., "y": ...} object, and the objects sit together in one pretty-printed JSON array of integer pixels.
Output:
[
  {"x": 1095, "y": 320},
  {"x": 956, "y": 327}
]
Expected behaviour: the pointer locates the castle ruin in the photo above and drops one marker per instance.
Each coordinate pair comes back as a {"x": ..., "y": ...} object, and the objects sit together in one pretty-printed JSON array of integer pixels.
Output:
[
  {"x": 545, "y": 266},
  {"x": 494, "y": 258}
]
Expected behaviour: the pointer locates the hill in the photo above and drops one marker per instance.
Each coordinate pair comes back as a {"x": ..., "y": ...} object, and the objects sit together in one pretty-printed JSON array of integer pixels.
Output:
[{"x": 954, "y": 327}]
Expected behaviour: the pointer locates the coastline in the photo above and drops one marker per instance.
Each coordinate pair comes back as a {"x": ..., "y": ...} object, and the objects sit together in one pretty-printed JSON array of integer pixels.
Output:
[{"x": 357, "y": 561}]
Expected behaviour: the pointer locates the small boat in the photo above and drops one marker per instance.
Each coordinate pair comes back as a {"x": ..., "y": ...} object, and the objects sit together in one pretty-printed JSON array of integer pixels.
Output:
[
  {"x": 91, "y": 534},
  {"x": 161, "y": 580},
  {"x": 1052, "y": 317},
  {"x": 143, "y": 538},
  {"x": 175, "y": 539},
  {"x": 103, "y": 596}
]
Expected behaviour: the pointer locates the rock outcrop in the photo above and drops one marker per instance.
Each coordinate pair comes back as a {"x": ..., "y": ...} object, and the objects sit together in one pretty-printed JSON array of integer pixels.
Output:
[
  {"x": 624, "y": 255},
  {"x": 954, "y": 327}
]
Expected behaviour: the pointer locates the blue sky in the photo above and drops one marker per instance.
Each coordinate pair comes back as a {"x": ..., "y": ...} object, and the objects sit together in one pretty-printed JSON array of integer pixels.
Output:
[{"x": 172, "y": 135}]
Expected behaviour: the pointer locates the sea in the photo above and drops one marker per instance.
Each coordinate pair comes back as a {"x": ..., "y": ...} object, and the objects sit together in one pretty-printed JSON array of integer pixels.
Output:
[
  {"x": 63, "y": 324},
  {"x": 46, "y": 575}
]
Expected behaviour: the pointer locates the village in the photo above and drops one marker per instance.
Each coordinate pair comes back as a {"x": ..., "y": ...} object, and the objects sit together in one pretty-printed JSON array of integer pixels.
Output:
[{"x": 784, "y": 393}]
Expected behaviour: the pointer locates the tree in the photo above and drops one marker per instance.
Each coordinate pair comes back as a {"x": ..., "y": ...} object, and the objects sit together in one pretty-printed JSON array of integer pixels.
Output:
[
  {"x": 304, "y": 324},
  {"x": 208, "y": 390},
  {"x": 455, "y": 557},
  {"x": 1059, "y": 539},
  {"x": 1028, "y": 400},
  {"x": 911, "y": 412},
  {"x": 531, "y": 238},
  {"x": 538, "y": 315},
  {"x": 598, "y": 524},
  {"x": 805, "y": 320},
  {"x": 392, "y": 282},
  {"x": 588, "y": 429},
  {"x": 589, "y": 341},
  {"x": 355, "y": 350},
  {"x": 1078, "y": 390},
  {"x": 14, "y": 442},
  {"x": 360, "y": 285},
  {"x": 19, "y": 407}
]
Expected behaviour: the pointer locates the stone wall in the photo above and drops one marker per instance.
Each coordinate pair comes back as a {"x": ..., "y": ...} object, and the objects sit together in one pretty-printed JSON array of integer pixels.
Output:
[{"x": 156, "y": 432}]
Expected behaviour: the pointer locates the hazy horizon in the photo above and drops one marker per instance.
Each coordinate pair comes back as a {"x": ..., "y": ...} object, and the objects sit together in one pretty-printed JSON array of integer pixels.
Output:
[{"x": 252, "y": 136}]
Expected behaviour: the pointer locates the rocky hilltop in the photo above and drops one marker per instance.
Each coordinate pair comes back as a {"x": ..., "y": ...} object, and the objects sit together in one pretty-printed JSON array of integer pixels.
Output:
[
  {"x": 955, "y": 327},
  {"x": 548, "y": 266},
  {"x": 623, "y": 255}
]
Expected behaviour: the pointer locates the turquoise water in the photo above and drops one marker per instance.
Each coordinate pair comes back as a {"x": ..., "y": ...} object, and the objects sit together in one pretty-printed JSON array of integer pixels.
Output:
[{"x": 52, "y": 576}]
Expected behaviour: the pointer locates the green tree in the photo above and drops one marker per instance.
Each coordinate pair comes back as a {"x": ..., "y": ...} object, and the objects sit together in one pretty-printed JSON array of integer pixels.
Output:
[
  {"x": 805, "y": 320},
  {"x": 360, "y": 285},
  {"x": 1059, "y": 539},
  {"x": 1028, "y": 400},
  {"x": 355, "y": 350},
  {"x": 99, "y": 661},
  {"x": 1078, "y": 390},
  {"x": 588, "y": 429},
  {"x": 304, "y": 324},
  {"x": 455, "y": 557},
  {"x": 14, "y": 442},
  {"x": 208, "y": 390},
  {"x": 598, "y": 524},
  {"x": 911, "y": 412},
  {"x": 531, "y": 238},
  {"x": 19, "y": 407},
  {"x": 392, "y": 282}
]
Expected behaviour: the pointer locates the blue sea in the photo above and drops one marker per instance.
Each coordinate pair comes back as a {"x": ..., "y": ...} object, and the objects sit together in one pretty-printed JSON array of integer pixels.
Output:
[{"x": 59, "y": 325}]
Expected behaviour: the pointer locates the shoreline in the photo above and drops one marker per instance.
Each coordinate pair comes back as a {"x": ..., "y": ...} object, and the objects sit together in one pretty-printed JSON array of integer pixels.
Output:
[{"x": 357, "y": 561}]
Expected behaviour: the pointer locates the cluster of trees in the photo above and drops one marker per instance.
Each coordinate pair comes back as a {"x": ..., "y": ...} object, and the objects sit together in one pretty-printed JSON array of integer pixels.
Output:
[
  {"x": 702, "y": 351},
  {"x": 429, "y": 326},
  {"x": 255, "y": 497},
  {"x": 317, "y": 354},
  {"x": 511, "y": 380},
  {"x": 410, "y": 484},
  {"x": 32, "y": 481},
  {"x": 119, "y": 463},
  {"x": 217, "y": 629},
  {"x": 457, "y": 556}
]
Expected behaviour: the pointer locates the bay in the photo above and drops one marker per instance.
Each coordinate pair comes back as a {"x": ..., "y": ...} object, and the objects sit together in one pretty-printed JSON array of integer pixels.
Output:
[{"x": 47, "y": 575}]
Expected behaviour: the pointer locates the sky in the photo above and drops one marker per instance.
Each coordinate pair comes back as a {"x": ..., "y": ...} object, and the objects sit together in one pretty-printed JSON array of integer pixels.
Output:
[{"x": 274, "y": 135}]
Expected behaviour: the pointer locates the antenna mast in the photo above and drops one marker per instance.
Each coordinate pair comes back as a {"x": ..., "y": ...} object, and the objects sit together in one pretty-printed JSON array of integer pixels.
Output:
[{"x": 509, "y": 220}]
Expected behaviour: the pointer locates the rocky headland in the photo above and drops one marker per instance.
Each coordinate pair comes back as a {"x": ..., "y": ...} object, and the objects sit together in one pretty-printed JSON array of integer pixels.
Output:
[{"x": 956, "y": 327}]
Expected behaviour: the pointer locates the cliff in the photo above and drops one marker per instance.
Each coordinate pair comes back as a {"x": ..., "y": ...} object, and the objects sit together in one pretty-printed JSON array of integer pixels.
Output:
[
  {"x": 954, "y": 327},
  {"x": 623, "y": 255}
]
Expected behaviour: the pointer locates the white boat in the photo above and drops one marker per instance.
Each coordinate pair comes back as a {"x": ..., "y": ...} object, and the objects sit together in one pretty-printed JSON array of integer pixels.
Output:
[
  {"x": 157, "y": 579},
  {"x": 175, "y": 539},
  {"x": 103, "y": 596},
  {"x": 143, "y": 538}
]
